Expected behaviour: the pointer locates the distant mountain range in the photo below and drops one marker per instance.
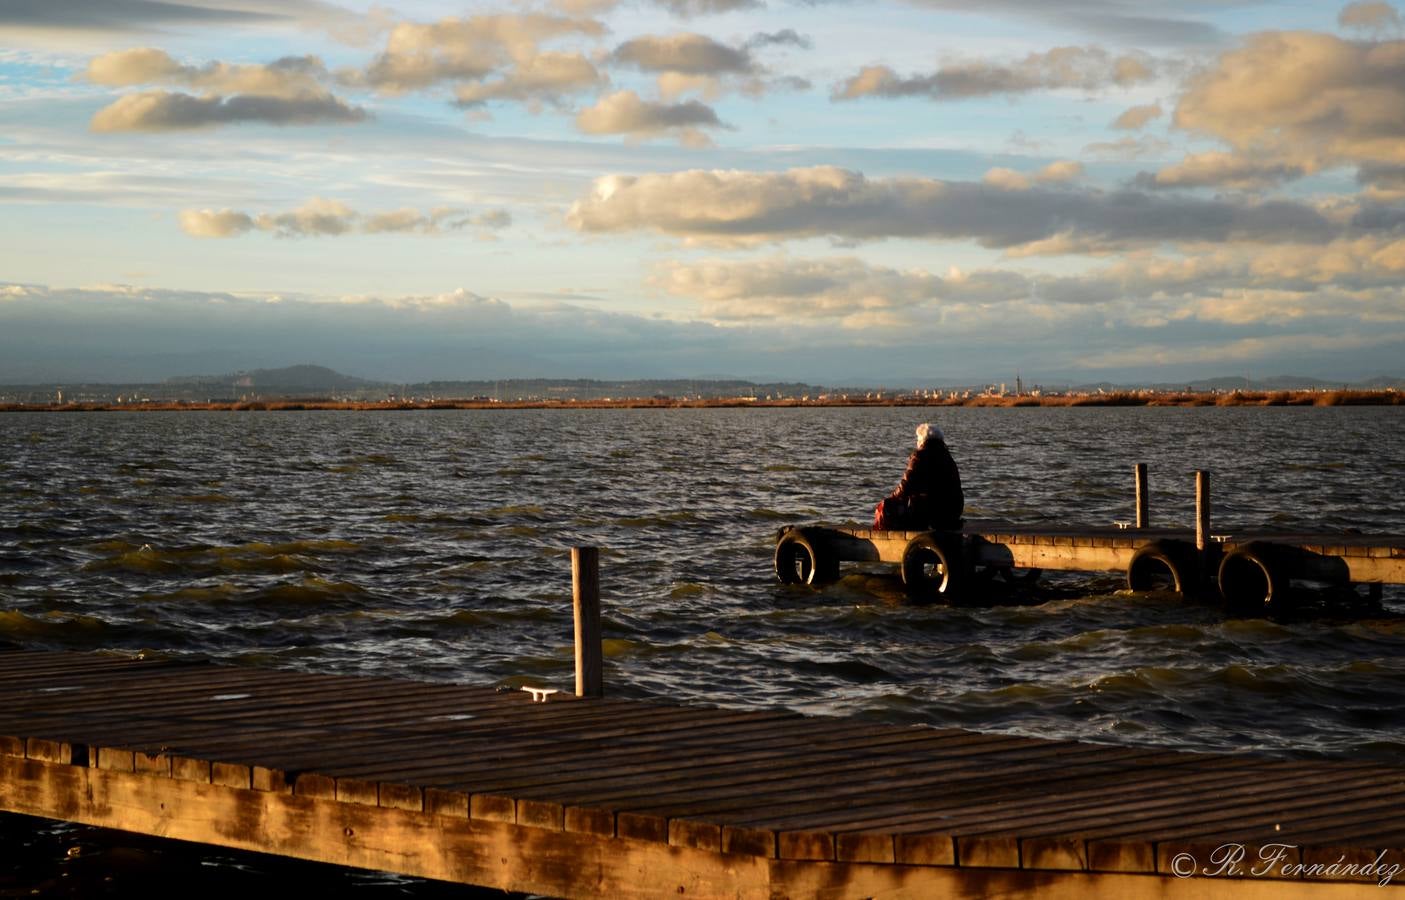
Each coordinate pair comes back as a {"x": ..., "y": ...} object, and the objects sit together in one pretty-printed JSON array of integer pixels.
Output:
[{"x": 312, "y": 381}]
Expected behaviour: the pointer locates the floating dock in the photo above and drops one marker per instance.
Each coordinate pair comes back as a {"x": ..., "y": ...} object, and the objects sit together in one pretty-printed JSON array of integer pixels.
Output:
[
  {"x": 613, "y": 798},
  {"x": 1251, "y": 571}
]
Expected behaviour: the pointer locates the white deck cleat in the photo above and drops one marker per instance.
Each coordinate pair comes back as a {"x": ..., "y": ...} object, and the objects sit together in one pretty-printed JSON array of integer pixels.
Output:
[{"x": 540, "y": 695}]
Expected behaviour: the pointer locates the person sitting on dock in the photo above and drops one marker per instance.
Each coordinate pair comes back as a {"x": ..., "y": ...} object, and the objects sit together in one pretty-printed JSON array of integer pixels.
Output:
[{"x": 929, "y": 495}]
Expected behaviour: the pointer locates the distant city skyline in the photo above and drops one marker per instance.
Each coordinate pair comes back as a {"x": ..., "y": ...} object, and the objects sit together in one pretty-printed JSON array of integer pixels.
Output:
[{"x": 885, "y": 191}]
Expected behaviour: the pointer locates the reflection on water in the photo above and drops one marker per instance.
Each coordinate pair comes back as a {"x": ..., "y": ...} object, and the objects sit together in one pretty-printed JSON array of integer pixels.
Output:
[{"x": 432, "y": 545}]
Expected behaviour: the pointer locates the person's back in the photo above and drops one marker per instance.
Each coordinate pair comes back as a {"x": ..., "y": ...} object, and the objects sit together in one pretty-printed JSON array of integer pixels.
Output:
[{"x": 929, "y": 495}]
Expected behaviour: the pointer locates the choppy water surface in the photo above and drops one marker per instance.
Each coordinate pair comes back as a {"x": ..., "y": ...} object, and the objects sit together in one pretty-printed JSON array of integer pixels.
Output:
[{"x": 431, "y": 545}]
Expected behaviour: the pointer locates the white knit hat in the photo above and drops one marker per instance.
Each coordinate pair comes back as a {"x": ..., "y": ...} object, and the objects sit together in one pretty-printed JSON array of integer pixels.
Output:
[{"x": 926, "y": 431}]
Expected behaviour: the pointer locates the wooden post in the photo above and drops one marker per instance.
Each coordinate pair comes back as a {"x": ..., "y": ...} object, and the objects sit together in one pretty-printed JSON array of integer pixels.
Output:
[
  {"x": 1143, "y": 502},
  {"x": 585, "y": 601},
  {"x": 1202, "y": 510}
]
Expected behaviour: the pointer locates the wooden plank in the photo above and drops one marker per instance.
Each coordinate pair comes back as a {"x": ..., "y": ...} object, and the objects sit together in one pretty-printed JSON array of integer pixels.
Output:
[
  {"x": 721, "y": 773},
  {"x": 116, "y": 759},
  {"x": 400, "y": 796},
  {"x": 356, "y": 790},
  {"x": 793, "y": 821},
  {"x": 792, "y": 803},
  {"x": 185, "y": 768},
  {"x": 153, "y": 763},
  {"x": 496, "y": 752},
  {"x": 750, "y": 841},
  {"x": 1069, "y": 806},
  {"x": 647, "y": 754},
  {"x": 234, "y": 775},
  {"x": 49, "y": 751},
  {"x": 266, "y": 779},
  {"x": 925, "y": 849},
  {"x": 446, "y": 803},
  {"x": 592, "y": 821}
]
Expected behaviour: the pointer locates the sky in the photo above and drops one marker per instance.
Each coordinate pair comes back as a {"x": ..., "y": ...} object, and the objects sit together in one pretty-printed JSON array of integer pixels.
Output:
[{"x": 870, "y": 192}]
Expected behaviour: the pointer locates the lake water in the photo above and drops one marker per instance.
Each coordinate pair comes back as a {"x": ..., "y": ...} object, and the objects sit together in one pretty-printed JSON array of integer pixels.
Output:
[{"x": 432, "y": 545}]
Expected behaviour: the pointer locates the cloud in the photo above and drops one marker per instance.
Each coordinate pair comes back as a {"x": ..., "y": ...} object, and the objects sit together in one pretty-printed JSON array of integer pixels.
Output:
[
  {"x": 625, "y": 113},
  {"x": 1056, "y": 172},
  {"x": 544, "y": 78},
  {"x": 747, "y": 208},
  {"x": 688, "y": 9},
  {"x": 1351, "y": 283},
  {"x": 287, "y": 77},
  {"x": 1372, "y": 18},
  {"x": 209, "y": 223},
  {"x": 1137, "y": 117},
  {"x": 284, "y": 92},
  {"x": 1309, "y": 99},
  {"x": 843, "y": 288},
  {"x": 166, "y": 111},
  {"x": 695, "y": 62},
  {"x": 1383, "y": 182},
  {"x": 1223, "y": 170},
  {"x": 1128, "y": 148},
  {"x": 786, "y": 37},
  {"x": 1081, "y": 68},
  {"x": 419, "y": 56},
  {"x": 323, "y": 217},
  {"x": 691, "y": 54}
]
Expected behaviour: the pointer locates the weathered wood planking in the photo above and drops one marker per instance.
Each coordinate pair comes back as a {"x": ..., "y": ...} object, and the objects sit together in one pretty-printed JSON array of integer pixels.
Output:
[
  {"x": 1353, "y": 557},
  {"x": 595, "y": 797}
]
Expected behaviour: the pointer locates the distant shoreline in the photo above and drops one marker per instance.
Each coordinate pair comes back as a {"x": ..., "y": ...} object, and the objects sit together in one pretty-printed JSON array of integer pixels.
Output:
[{"x": 1119, "y": 399}]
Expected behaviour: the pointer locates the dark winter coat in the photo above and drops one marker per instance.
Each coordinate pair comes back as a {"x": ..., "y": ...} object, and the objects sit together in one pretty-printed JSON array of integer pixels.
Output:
[{"x": 931, "y": 485}]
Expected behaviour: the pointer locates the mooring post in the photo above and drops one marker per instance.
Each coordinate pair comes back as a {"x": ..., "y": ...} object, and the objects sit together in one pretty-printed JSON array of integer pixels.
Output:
[
  {"x": 1202, "y": 510},
  {"x": 1202, "y": 527},
  {"x": 1143, "y": 503},
  {"x": 585, "y": 602}
]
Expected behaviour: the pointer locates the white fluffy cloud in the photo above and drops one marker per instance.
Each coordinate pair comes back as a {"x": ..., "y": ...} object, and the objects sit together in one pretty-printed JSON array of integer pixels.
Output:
[
  {"x": 1353, "y": 283},
  {"x": 741, "y": 208},
  {"x": 626, "y": 113},
  {"x": 1304, "y": 98},
  {"x": 284, "y": 92},
  {"x": 420, "y": 55}
]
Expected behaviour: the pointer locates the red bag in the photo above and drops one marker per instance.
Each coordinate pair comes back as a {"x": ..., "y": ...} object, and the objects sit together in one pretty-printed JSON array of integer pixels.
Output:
[{"x": 890, "y": 514}]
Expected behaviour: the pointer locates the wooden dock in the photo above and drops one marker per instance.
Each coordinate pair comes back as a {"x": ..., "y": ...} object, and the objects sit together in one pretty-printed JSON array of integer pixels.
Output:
[
  {"x": 606, "y": 797},
  {"x": 812, "y": 554},
  {"x": 1250, "y": 571}
]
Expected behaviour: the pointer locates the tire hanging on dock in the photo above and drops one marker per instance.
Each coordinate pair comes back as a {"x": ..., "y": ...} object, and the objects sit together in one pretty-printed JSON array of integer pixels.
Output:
[
  {"x": 1253, "y": 580},
  {"x": 1164, "y": 566},
  {"x": 934, "y": 568},
  {"x": 798, "y": 561}
]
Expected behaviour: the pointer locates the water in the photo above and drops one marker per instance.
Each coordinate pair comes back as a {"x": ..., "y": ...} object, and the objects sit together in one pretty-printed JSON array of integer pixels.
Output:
[{"x": 431, "y": 545}]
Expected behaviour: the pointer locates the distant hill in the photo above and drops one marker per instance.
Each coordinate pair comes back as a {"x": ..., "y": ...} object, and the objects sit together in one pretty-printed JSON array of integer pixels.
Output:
[{"x": 288, "y": 381}]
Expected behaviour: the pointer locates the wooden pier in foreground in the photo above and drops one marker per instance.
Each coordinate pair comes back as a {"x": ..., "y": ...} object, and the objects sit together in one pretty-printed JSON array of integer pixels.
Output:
[
  {"x": 590, "y": 797},
  {"x": 1251, "y": 571}
]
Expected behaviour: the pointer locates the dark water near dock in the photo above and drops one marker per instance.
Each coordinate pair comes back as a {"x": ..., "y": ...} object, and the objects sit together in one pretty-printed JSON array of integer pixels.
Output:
[{"x": 431, "y": 545}]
